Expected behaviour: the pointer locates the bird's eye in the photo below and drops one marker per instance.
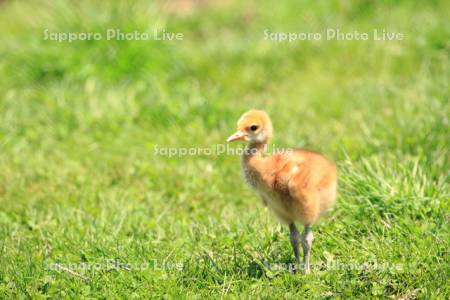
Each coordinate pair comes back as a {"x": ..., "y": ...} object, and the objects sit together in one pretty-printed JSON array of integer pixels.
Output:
[{"x": 253, "y": 127}]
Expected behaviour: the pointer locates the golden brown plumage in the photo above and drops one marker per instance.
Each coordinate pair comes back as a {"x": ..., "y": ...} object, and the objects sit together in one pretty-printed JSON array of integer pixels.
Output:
[{"x": 297, "y": 185}]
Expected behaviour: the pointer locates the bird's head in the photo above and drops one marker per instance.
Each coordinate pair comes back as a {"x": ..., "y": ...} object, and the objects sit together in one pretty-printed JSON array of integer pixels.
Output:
[{"x": 254, "y": 127}]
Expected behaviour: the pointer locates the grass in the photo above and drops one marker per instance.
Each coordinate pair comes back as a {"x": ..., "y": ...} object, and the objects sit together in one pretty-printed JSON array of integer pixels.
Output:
[{"x": 81, "y": 184}]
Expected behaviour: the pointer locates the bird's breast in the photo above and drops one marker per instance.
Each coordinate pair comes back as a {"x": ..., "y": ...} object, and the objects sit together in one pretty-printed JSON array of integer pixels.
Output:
[{"x": 275, "y": 197}]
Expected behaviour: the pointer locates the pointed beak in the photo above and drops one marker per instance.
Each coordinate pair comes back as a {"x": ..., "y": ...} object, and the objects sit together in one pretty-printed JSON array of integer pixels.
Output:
[{"x": 238, "y": 136}]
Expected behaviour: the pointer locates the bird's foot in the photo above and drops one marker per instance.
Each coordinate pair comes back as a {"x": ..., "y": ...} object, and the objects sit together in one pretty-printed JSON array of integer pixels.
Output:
[{"x": 307, "y": 270}]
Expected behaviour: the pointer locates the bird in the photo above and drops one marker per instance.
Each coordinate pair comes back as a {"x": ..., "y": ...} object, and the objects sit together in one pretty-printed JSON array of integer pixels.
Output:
[{"x": 297, "y": 185}]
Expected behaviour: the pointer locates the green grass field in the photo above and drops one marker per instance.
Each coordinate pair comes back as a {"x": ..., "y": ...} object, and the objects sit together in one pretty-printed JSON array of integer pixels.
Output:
[{"x": 90, "y": 210}]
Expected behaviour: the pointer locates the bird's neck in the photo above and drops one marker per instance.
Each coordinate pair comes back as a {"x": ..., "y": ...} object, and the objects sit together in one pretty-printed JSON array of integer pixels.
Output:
[
  {"x": 255, "y": 149},
  {"x": 254, "y": 155}
]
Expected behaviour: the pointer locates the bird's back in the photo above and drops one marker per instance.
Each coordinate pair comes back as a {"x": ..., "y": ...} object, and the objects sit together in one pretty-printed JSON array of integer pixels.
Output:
[{"x": 298, "y": 185}]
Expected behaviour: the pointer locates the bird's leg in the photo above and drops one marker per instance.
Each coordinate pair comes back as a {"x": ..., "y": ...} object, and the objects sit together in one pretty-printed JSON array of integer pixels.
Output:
[
  {"x": 295, "y": 239},
  {"x": 307, "y": 239}
]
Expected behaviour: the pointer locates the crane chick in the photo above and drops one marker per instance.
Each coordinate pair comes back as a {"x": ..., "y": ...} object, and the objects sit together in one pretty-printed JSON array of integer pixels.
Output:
[{"x": 297, "y": 185}]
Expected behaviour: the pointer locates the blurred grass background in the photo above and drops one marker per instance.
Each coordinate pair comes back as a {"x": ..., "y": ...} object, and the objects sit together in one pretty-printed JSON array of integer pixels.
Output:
[{"x": 79, "y": 122}]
